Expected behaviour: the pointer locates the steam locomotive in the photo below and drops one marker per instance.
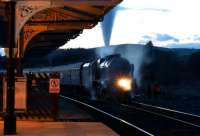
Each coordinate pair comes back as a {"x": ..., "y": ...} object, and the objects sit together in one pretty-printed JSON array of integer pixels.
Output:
[{"x": 106, "y": 78}]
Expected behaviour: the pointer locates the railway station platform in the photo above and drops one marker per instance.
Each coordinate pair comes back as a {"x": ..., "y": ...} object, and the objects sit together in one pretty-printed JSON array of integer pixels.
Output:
[
  {"x": 67, "y": 111},
  {"x": 38, "y": 128}
]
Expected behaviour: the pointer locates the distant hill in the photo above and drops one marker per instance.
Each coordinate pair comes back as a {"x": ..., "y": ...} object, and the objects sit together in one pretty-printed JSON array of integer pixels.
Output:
[
  {"x": 152, "y": 64},
  {"x": 60, "y": 57}
]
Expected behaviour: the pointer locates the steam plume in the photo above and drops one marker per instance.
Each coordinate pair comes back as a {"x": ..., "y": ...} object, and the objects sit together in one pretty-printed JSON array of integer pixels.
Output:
[{"x": 107, "y": 24}]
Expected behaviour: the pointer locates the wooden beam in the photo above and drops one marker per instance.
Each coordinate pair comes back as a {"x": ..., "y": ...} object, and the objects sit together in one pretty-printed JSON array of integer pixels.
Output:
[
  {"x": 88, "y": 2},
  {"x": 71, "y": 13},
  {"x": 89, "y": 9}
]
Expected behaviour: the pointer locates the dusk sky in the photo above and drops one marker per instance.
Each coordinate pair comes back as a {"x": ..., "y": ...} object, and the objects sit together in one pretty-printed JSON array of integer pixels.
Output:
[
  {"x": 168, "y": 23},
  {"x": 1, "y": 51}
]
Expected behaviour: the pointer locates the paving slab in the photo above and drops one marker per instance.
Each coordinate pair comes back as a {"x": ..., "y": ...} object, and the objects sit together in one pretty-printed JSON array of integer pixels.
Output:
[{"x": 39, "y": 128}]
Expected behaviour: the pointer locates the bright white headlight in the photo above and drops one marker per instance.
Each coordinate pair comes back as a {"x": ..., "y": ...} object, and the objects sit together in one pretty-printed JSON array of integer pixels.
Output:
[{"x": 125, "y": 84}]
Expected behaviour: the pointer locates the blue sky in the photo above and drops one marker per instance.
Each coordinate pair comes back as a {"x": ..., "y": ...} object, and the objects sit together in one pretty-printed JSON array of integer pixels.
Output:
[
  {"x": 1, "y": 51},
  {"x": 165, "y": 22}
]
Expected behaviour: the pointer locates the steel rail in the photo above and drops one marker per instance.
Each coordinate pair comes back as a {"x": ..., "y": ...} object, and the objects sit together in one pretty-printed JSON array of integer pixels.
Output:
[
  {"x": 105, "y": 113},
  {"x": 167, "y": 109},
  {"x": 162, "y": 115}
]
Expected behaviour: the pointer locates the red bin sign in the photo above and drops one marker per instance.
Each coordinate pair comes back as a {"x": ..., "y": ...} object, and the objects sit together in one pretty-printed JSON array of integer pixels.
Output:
[{"x": 54, "y": 85}]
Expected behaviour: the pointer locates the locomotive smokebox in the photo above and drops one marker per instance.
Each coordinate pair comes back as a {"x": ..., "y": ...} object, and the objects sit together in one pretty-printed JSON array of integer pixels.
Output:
[
  {"x": 114, "y": 65},
  {"x": 112, "y": 68}
]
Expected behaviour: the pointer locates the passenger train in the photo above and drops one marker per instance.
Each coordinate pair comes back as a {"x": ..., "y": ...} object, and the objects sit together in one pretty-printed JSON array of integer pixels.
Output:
[{"x": 108, "y": 78}]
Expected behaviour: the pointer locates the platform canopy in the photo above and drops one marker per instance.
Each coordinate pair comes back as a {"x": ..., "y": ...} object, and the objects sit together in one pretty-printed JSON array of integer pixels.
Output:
[{"x": 48, "y": 24}]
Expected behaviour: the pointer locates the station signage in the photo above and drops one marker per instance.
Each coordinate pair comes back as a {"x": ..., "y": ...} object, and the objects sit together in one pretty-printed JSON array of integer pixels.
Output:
[{"x": 54, "y": 85}]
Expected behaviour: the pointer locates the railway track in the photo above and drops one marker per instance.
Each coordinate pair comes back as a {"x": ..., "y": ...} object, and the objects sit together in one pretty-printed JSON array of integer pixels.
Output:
[
  {"x": 187, "y": 118},
  {"x": 156, "y": 122},
  {"x": 119, "y": 125},
  {"x": 159, "y": 123}
]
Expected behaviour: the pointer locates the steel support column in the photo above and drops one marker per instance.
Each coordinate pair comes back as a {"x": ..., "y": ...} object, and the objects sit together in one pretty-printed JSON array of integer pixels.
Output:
[{"x": 10, "y": 117}]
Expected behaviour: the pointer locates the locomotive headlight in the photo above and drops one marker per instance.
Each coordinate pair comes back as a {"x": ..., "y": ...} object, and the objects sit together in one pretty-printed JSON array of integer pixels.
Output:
[{"x": 125, "y": 84}]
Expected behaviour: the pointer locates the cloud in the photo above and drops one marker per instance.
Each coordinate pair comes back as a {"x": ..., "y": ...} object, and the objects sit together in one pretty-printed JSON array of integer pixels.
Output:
[
  {"x": 196, "y": 38},
  {"x": 155, "y": 9},
  {"x": 166, "y": 37},
  {"x": 147, "y": 37},
  {"x": 159, "y": 39},
  {"x": 185, "y": 45}
]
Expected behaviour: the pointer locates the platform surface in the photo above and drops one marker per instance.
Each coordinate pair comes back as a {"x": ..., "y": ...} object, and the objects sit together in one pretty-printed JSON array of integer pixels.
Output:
[{"x": 36, "y": 128}]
